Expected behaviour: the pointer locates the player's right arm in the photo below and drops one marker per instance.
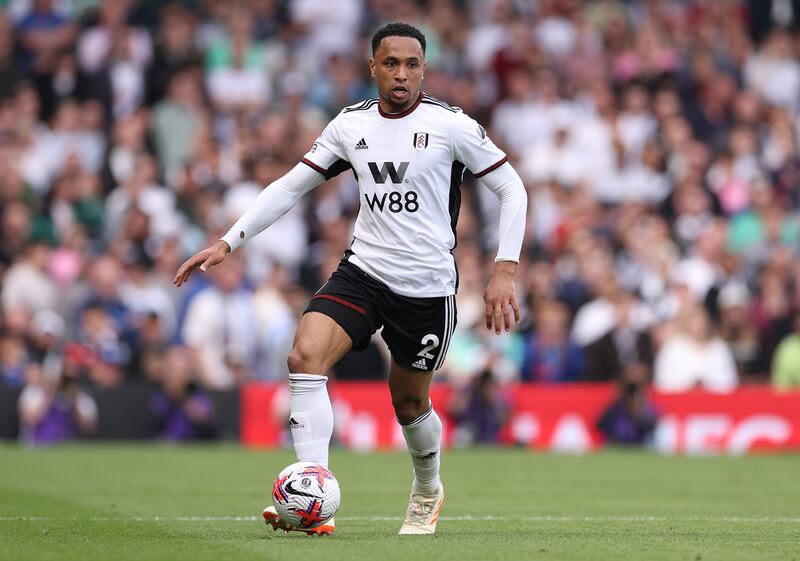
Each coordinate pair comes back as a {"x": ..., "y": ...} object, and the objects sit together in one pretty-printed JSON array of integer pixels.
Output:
[
  {"x": 271, "y": 204},
  {"x": 323, "y": 161}
]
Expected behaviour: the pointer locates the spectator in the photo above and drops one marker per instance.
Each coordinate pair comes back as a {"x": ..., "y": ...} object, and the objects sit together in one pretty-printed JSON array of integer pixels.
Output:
[
  {"x": 15, "y": 226},
  {"x": 142, "y": 193},
  {"x": 11, "y": 72},
  {"x": 786, "y": 360},
  {"x": 328, "y": 28},
  {"x": 13, "y": 361},
  {"x": 771, "y": 314},
  {"x": 220, "y": 328},
  {"x": 276, "y": 323},
  {"x": 144, "y": 298},
  {"x": 128, "y": 141},
  {"x": 774, "y": 72},
  {"x": 176, "y": 119},
  {"x": 627, "y": 346},
  {"x": 44, "y": 31},
  {"x": 182, "y": 411},
  {"x": 479, "y": 410},
  {"x": 612, "y": 330},
  {"x": 532, "y": 101},
  {"x": 46, "y": 343},
  {"x": 27, "y": 285},
  {"x": 54, "y": 410},
  {"x": 738, "y": 331},
  {"x": 102, "y": 291},
  {"x": 175, "y": 50},
  {"x": 71, "y": 138},
  {"x": 342, "y": 83},
  {"x": 99, "y": 354},
  {"x": 237, "y": 80},
  {"x": 701, "y": 269},
  {"x": 550, "y": 355},
  {"x": 630, "y": 420},
  {"x": 694, "y": 357},
  {"x": 63, "y": 83},
  {"x": 114, "y": 56}
]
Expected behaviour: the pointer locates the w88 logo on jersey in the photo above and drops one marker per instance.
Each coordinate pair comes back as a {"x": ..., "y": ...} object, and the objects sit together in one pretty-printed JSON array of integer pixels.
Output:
[{"x": 393, "y": 201}]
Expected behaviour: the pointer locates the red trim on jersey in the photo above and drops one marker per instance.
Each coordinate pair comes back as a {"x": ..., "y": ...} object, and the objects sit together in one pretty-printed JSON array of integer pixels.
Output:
[
  {"x": 402, "y": 113},
  {"x": 343, "y": 302},
  {"x": 491, "y": 168},
  {"x": 314, "y": 166}
]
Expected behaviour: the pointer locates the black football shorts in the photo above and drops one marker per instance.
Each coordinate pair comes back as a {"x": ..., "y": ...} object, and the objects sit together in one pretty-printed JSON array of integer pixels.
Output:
[{"x": 416, "y": 330}]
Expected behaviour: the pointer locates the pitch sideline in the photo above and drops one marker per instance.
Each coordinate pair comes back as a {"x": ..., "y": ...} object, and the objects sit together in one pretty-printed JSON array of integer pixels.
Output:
[{"x": 459, "y": 518}]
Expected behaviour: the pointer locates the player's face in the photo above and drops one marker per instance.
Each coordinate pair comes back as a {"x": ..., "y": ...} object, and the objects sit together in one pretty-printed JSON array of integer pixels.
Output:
[{"x": 398, "y": 67}]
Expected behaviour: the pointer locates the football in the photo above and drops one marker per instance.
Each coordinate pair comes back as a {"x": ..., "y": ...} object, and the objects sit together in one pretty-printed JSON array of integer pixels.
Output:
[{"x": 306, "y": 495}]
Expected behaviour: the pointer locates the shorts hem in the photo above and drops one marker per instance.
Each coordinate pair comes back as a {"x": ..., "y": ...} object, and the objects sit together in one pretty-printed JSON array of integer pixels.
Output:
[{"x": 359, "y": 337}]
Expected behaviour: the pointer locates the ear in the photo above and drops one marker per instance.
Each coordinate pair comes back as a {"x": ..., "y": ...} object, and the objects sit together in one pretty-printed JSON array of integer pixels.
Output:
[{"x": 372, "y": 66}]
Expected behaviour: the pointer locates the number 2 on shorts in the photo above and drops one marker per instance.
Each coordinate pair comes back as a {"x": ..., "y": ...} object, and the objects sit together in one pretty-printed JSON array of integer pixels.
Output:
[{"x": 431, "y": 341}]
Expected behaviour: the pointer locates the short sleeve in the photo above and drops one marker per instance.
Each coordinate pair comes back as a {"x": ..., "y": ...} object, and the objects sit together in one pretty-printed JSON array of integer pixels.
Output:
[
  {"x": 326, "y": 154},
  {"x": 473, "y": 147}
]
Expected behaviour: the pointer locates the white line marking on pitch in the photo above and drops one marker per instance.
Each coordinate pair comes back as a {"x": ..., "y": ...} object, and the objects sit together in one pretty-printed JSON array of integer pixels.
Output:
[{"x": 462, "y": 518}]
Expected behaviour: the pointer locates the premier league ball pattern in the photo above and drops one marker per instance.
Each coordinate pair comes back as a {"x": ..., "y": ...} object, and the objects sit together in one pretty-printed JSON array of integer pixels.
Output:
[{"x": 306, "y": 495}]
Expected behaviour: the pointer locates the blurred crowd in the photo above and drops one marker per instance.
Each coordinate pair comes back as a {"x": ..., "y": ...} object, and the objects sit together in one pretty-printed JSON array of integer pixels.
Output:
[{"x": 657, "y": 140}]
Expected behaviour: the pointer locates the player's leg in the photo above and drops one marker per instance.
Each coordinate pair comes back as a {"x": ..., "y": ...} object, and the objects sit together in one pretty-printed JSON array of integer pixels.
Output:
[
  {"x": 318, "y": 344},
  {"x": 418, "y": 332},
  {"x": 339, "y": 317},
  {"x": 422, "y": 430},
  {"x": 421, "y": 425}
]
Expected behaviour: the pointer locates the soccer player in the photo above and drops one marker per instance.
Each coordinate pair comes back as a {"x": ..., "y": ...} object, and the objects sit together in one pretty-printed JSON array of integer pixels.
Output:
[{"x": 408, "y": 151}]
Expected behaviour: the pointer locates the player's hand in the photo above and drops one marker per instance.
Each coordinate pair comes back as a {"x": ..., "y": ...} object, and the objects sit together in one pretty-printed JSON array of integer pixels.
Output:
[
  {"x": 499, "y": 296},
  {"x": 204, "y": 259}
]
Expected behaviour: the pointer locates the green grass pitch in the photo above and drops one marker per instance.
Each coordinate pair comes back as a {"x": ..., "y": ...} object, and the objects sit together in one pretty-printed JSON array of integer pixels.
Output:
[{"x": 195, "y": 503}]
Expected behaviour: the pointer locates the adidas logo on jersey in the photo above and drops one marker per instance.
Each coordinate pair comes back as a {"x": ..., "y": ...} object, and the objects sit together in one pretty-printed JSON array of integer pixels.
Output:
[
  {"x": 362, "y": 145},
  {"x": 421, "y": 364}
]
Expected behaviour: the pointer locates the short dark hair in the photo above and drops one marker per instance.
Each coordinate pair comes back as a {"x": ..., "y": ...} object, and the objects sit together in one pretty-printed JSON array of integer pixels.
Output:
[{"x": 397, "y": 30}]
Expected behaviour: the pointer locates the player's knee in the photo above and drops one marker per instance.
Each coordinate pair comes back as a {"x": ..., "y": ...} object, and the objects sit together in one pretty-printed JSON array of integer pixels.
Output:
[
  {"x": 409, "y": 408},
  {"x": 301, "y": 361}
]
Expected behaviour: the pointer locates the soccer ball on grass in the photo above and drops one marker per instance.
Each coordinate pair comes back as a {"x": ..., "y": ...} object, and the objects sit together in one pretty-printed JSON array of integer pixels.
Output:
[{"x": 306, "y": 495}]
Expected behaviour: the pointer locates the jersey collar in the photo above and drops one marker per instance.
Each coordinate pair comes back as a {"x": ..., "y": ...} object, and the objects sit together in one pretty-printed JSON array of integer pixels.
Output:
[{"x": 402, "y": 113}]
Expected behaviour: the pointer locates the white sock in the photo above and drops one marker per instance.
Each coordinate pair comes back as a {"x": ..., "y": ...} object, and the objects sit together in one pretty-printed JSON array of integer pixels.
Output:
[
  {"x": 424, "y": 440},
  {"x": 311, "y": 417}
]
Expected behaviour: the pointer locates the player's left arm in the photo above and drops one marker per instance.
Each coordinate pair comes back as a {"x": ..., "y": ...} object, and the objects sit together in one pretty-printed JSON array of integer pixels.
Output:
[
  {"x": 489, "y": 164},
  {"x": 500, "y": 295}
]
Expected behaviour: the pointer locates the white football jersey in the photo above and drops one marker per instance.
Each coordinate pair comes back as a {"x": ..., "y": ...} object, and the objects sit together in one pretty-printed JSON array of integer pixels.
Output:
[{"x": 409, "y": 168}]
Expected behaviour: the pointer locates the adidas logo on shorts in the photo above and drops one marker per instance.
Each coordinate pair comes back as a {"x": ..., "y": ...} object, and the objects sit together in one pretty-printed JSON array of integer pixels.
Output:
[
  {"x": 295, "y": 424},
  {"x": 421, "y": 364},
  {"x": 362, "y": 145}
]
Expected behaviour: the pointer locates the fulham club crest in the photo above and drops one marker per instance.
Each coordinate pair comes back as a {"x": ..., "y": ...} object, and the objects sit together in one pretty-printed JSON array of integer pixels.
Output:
[{"x": 420, "y": 141}]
